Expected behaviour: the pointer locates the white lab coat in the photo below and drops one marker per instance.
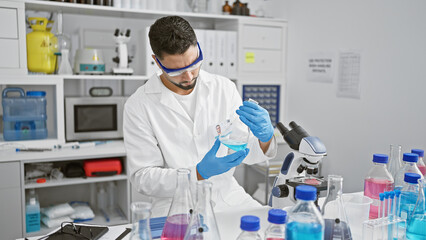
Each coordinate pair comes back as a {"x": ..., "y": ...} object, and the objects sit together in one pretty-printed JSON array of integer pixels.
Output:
[{"x": 160, "y": 137}]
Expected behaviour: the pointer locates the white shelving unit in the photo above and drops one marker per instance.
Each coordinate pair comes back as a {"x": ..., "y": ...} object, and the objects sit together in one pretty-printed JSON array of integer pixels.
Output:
[{"x": 13, "y": 186}]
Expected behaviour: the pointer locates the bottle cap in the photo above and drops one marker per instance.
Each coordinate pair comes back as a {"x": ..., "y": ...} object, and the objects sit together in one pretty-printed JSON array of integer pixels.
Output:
[
  {"x": 305, "y": 192},
  {"x": 250, "y": 223},
  {"x": 410, "y": 157},
  {"x": 277, "y": 216},
  {"x": 380, "y": 158},
  {"x": 419, "y": 152},
  {"x": 411, "y": 177},
  {"x": 36, "y": 93}
]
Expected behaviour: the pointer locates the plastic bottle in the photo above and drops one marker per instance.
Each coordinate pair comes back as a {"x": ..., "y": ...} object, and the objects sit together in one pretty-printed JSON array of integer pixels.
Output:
[
  {"x": 102, "y": 198},
  {"x": 378, "y": 180},
  {"x": 250, "y": 226},
  {"x": 141, "y": 212},
  {"x": 276, "y": 229},
  {"x": 304, "y": 219},
  {"x": 32, "y": 212},
  {"x": 409, "y": 166},
  {"x": 420, "y": 164},
  {"x": 409, "y": 195},
  {"x": 111, "y": 192}
]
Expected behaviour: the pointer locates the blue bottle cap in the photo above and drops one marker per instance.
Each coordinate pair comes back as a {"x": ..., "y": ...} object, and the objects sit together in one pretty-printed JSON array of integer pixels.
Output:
[
  {"x": 411, "y": 177},
  {"x": 397, "y": 192},
  {"x": 392, "y": 194},
  {"x": 250, "y": 223},
  {"x": 381, "y": 196},
  {"x": 36, "y": 93},
  {"x": 277, "y": 216},
  {"x": 380, "y": 158},
  {"x": 386, "y": 195},
  {"x": 419, "y": 152},
  {"x": 305, "y": 192},
  {"x": 410, "y": 157}
]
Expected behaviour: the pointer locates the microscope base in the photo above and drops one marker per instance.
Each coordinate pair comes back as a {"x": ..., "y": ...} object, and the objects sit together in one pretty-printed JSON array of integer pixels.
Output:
[{"x": 122, "y": 71}]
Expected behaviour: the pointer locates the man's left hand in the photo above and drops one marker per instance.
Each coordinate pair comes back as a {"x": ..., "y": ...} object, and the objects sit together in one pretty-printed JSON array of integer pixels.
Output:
[{"x": 257, "y": 119}]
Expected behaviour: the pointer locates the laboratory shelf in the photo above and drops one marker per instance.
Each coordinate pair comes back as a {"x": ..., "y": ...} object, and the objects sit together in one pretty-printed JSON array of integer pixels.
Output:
[
  {"x": 106, "y": 77},
  {"x": 74, "y": 181},
  {"x": 108, "y": 11}
]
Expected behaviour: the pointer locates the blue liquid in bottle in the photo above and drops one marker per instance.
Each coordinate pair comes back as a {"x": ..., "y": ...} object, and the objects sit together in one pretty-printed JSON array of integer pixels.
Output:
[
  {"x": 417, "y": 228},
  {"x": 298, "y": 230},
  {"x": 234, "y": 145}
]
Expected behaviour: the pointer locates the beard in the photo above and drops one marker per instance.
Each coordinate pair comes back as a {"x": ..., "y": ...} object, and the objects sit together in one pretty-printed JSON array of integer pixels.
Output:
[{"x": 181, "y": 86}]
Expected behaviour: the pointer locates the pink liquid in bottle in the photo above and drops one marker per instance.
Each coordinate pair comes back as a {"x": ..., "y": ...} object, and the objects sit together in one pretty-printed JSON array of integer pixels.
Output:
[
  {"x": 175, "y": 227},
  {"x": 372, "y": 189},
  {"x": 422, "y": 169},
  {"x": 275, "y": 239}
]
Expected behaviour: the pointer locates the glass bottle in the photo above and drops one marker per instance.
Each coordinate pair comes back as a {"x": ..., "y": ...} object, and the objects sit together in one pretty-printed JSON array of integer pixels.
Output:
[
  {"x": 63, "y": 42},
  {"x": 416, "y": 228},
  {"x": 236, "y": 7},
  {"x": 420, "y": 164},
  {"x": 395, "y": 160},
  {"x": 378, "y": 180},
  {"x": 250, "y": 226},
  {"x": 333, "y": 211},
  {"x": 181, "y": 208},
  {"x": 409, "y": 166},
  {"x": 226, "y": 9},
  {"x": 276, "y": 228},
  {"x": 203, "y": 224},
  {"x": 409, "y": 195},
  {"x": 141, "y": 212},
  {"x": 304, "y": 219}
]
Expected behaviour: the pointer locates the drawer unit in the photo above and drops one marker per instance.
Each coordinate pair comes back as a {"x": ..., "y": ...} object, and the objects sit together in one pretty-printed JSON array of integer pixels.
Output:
[
  {"x": 8, "y": 23},
  {"x": 261, "y": 61},
  {"x": 262, "y": 37},
  {"x": 10, "y": 175}
]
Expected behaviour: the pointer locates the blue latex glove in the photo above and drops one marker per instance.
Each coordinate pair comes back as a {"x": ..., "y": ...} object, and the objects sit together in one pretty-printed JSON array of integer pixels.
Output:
[
  {"x": 212, "y": 165},
  {"x": 257, "y": 119}
]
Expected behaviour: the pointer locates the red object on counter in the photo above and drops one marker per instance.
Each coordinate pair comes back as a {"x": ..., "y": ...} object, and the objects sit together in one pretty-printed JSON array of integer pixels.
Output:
[{"x": 102, "y": 167}]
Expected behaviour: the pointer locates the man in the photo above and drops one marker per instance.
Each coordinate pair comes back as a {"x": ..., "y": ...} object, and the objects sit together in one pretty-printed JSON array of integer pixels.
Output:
[{"x": 170, "y": 123}]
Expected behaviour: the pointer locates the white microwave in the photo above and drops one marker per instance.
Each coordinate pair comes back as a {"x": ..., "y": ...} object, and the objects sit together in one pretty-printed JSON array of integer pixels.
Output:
[{"x": 94, "y": 118}]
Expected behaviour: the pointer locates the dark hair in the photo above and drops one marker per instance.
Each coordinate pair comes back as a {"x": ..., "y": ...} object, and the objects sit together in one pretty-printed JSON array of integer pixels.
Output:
[{"x": 171, "y": 35}]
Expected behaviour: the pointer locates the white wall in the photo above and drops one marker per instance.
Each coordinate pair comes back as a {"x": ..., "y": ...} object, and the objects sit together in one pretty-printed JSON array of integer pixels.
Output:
[{"x": 392, "y": 107}]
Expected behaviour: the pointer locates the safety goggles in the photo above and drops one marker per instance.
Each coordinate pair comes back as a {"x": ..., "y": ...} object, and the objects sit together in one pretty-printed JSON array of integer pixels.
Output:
[{"x": 178, "y": 71}]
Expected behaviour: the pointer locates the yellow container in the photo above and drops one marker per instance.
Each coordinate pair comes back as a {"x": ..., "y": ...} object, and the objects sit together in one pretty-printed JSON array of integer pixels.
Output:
[{"x": 41, "y": 47}]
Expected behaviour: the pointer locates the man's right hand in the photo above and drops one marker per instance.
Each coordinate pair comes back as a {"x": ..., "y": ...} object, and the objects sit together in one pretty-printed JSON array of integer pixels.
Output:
[{"x": 212, "y": 165}]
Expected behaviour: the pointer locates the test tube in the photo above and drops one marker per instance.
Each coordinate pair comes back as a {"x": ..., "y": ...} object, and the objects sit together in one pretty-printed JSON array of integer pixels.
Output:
[
  {"x": 390, "y": 205},
  {"x": 386, "y": 205},
  {"x": 397, "y": 202},
  {"x": 381, "y": 206}
]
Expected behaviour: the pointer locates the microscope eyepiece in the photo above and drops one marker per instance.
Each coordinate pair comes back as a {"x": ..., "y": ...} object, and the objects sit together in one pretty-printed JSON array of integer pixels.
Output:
[
  {"x": 128, "y": 33},
  {"x": 300, "y": 169},
  {"x": 117, "y": 31}
]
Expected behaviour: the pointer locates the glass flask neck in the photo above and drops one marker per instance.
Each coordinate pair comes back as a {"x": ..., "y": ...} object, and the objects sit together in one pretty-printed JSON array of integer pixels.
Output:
[{"x": 141, "y": 212}]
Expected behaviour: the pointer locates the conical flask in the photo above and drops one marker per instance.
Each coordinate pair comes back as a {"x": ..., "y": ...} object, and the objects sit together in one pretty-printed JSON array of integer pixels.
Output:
[
  {"x": 395, "y": 160},
  {"x": 203, "y": 221},
  {"x": 180, "y": 211},
  {"x": 333, "y": 210},
  {"x": 417, "y": 225},
  {"x": 141, "y": 211}
]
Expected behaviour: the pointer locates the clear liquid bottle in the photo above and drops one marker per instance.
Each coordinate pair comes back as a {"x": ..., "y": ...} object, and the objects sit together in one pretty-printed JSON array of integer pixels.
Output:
[
  {"x": 180, "y": 210},
  {"x": 416, "y": 228},
  {"x": 112, "y": 193},
  {"x": 378, "y": 180},
  {"x": 409, "y": 195},
  {"x": 250, "y": 226},
  {"x": 409, "y": 166},
  {"x": 203, "y": 224},
  {"x": 333, "y": 211},
  {"x": 32, "y": 212},
  {"x": 420, "y": 164},
  {"x": 141, "y": 212},
  {"x": 304, "y": 219},
  {"x": 395, "y": 163},
  {"x": 276, "y": 228}
]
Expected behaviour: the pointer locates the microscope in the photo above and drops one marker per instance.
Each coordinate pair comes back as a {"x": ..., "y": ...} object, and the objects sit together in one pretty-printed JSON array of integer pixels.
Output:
[
  {"x": 299, "y": 166},
  {"x": 123, "y": 58}
]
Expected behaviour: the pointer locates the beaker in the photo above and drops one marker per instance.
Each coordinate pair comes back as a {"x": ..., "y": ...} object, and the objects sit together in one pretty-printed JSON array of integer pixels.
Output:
[
  {"x": 416, "y": 228},
  {"x": 203, "y": 224},
  {"x": 233, "y": 133},
  {"x": 180, "y": 210},
  {"x": 333, "y": 211},
  {"x": 141, "y": 212},
  {"x": 395, "y": 160}
]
